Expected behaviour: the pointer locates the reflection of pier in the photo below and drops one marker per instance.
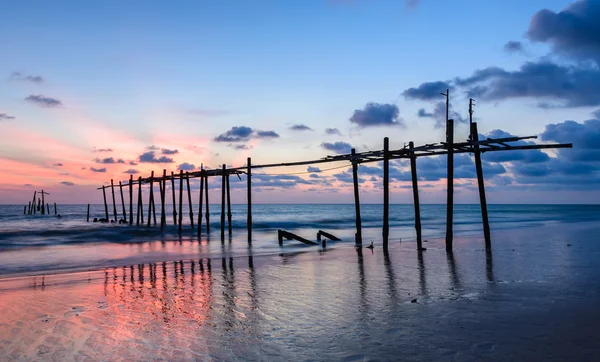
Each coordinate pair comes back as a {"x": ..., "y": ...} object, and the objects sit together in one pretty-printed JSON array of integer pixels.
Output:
[{"x": 473, "y": 145}]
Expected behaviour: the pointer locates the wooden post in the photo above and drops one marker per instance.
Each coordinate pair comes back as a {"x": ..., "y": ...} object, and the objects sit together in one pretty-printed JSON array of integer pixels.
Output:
[
  {"x": 55, "y": 208},
  {"x": 43, "y": 212},
  {"x": 207, "y": 204},
  {"x": 29, "y": 208},
  {"x": 450, "y": 186},
  {"x": 415, "y": 187},
  {"x": 249, "y": 196},
  {"x": 150, "y": 198},
  {"x": 130, "y": 199},
  {"x": 200, "y": 202},
  {"x": 105, "y": 205},
  {"x": 122, "y": 201},
  {"x": 481, "y": 184},
  {"x": 34, "y": 203},
  {"x": 87, "y": 219},
  {"x": 358, "y": 236},
  {"x": 223, "y": 202},
  {"x": 187, "y": 181},
  {"x": 163, "y": 216},
  {"x": 174, "y": 203},
  {"x": 47, "y": 208},
  {"x": 228, "y": 207},
  {"x": 180, "y": 199},
  {"x": 140, "y": 201},
  {"x": 24, "y": 209},
  {"x": 386, "y": 191},
  {"x": 112, "y": 187}
]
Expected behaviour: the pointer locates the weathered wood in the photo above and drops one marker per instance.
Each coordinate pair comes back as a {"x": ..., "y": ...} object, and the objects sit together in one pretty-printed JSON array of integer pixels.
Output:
[
  {"x": 24, "y": 209},
  {"x": 55, "y": 208},
  {"x": 43, "y": 202},
  {"x": 180, "y": 200},
  {"x": 130, "y": 199},
  {"x": 228, "y": 207},
  {"x": 223, "y": 203},
  {"x": 112, "y": 187},
  {"x": 174, "y": 203},
  {"x": 207, "y": 205},
  {"x": 249, "y": 198},
  {"x": 282, "y": 234},
  {"x": 34, "y": 203},
  {"x": 29, "y": 208},
  {"x": 187, "y": 181},
  {"x": 200, "y": 206},
  {"x": 88, "y": 214},
  {"x": 415, "y": 187},
  {"x": 122, "y": 201},
  {"x": 163, "y": 215},
  {"x": 105, "y": 204},
  {"x": 481, "y": 184},
  {"x": 386, "y": 191},
  {"x": 358, "y": 235},
  {"x": 327, "y": 235},
  {"x": 47, "y": 208},
  {"x": 150, "y": 198},
  {"x": 450, "y": 184},
  {"x": 140, "y": 202}
]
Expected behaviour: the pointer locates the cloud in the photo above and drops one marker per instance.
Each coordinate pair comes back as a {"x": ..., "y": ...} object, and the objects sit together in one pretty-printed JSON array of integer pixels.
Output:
[
  {"x": 27, "y": 185},
  {"x": 527, "y": 156},
  {"x": 4, "y": 116},
  {"x": 186, "y": 167},
  {"x": 153, "y": 148},
  {"x": 29, "y": 78},
  {"x": 108, "y": 160},
  {"x": 375, "y": 114},
  {"x": 266, "y": 134},
  {"x": 596, "y": 114},
  {"x": 131, "y": 171},
  {"x": 241, "y": 147},
  {"x": 58, "y": 164},
  {"x": 584, "y": 136},
  {"x": 235, "y": 134},
  {"x": 333, "y": 131},
  {"x": 513, "y": 46},
  {"x": 166, "y": 151},
  {"x": 44, "y": 101},
  {"x": 427, "y": 91},
  {"x": 149, "y": 157},
  {"x": 313, "y": 169},
  {"x": 67, "y": 183},
  {"x": 301, "y": 127},
  {"x": 98, "y": 169},
  {"x": 337, "y": 147},
  {"x": 439, "y": 115},
  {"x": 132, "y": 163},
  {"x": 102, "y": 150}
]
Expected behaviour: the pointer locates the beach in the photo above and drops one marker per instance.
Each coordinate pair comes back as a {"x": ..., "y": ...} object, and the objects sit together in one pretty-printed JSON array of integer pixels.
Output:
[{"x": 534, "y": 296}]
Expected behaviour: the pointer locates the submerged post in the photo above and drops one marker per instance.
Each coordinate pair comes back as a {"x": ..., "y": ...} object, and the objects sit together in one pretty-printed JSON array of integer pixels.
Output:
[
  {"x": 87, "y": 219},
  {"x": 150, "y": 198},
  {"x": 122, "y": 201},
  {"x": 200, "y": 201},
  {"x": 228, "y": 207},
  {"x": 47, "y": 208},
  {"x": 29, "y": 208},
  {"x": 358, "y": 235},
  {"x": 450, "y": 185},
  {"x": 207, "y": 204},
  {"x": 105, "y": 205},
  {"x": 415, "y": 187},
  {"x": 140, "y": 212},
  {"x": 55, "y": 208},
  {"x": 223, "y": 203},
  {"x": 163, "y": 216},
  {"x": 130, "y": 199},
  {"x": 386, "y": 191},
  {"x": 43, "y": 202},
  {"x": 481, "y": 184},
  {"x": 174, "y": 204},
  {"x": 187, "y": 181},
  {"x": 33, "y": 204},
  {"x": 112, "y": 187},
  {"x": 249, "y": 196},
  {"x": 180, "y": 200}
]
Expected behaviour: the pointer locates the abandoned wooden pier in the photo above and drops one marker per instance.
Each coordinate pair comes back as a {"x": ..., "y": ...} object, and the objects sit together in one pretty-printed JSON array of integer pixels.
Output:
[{"x": 473, "y": 145}]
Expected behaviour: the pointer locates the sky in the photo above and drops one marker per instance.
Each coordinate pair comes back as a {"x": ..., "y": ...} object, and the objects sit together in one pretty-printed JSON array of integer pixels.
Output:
[{"x": 97, "y": 91}]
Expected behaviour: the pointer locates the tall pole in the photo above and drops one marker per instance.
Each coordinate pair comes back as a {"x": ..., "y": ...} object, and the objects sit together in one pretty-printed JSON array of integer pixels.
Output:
[
  {"x": 207, "y": 203},
  {"x": 140, "y": 201},
  {"x": 249, "y": 196},
  {"x": 200, "y": 201},
  {"x": 112, "y": 187},
  {"x": 180, "y": 200},
  {"x": 415, "y": 187},
  {"x": 450, "y": 186},
  {"x": 358, "y": 235},
  {"x": 130, "y": 199},
  {"x": 223, "y": 203},
  {"x": 174, "y": 204},
  {"x": 228, "y": 207},
  {"x": 43, "y": 212},
  {"x": 481, "y": 184},
  {"x": 386, "y": 191},
  {"x": 150, "y": 198},
  {"x": 122, "y": 201},
  {"x": 105, "y": 204},
  {"x": 163, "y": 216},
  {"x": 187, "y": 181}
]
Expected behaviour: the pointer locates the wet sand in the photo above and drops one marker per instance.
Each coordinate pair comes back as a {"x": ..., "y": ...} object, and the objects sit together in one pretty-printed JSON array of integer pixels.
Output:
[{"x": 533, "y": 297}]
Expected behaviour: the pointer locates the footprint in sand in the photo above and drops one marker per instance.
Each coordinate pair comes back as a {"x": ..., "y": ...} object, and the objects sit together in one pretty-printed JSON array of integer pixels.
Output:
[
  {"x": 74, "y": 312},
  {"x": 45, "y": 318},
  {"x": 102, "y": 305}
]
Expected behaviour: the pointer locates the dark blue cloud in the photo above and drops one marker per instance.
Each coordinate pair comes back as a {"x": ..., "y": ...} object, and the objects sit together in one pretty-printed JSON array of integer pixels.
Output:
[
  {"x": 43, "y": 101},
  {"x": 29, "y": 78},
  {"x": 337, "y": 147},
  {"x": 186, "y": 167},
  {"x": 98, "y": 169},
  {"x": 313, "y": 169},
  {"x": 149, "y": 157},
  {"x": 166, "y": 151},
  {"x": 427, "y": 91},
  {"x": 67, "y": 183},
  {"x": 528, "y": 156},
  {"x": 375, "y": 114},
  {"x": 243, "y": 134},
  {"x": 300, "y": 127},
  {"x": 333, "y": 131},
  {"x": 266, "y": 134},
  {"x": 108, "y": 160},
  {"x": 58, "y": 164},
  {"x": 513, "y": 46},
  {"x": 584, "y": 136},
  {"x": 102, "y": 149},
  {"x": 439, "y": 115},
  {"x": 4, "y": 116},
  {"x": 131, "y": 171}
]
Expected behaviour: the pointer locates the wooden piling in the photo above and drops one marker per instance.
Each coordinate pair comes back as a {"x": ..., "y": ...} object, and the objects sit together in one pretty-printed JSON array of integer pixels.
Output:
[
  {"x": 24, "y": 209},
  {"x": 87, "y": 219},
  {"x": 130, "y": 199},
  {"x": 249, "y": 197},
  {"x": 223, "y": 202},
  {"x": 112, "y": 187},
  {"x": 43, "y": 202},
  {"x": 180, "y": 199},
  {"x": 150, "y": 198},
  {"x": 55, "y": 208},
  {"x": 200, "y": 202},
  {"x": 174, "y": 203},
  {"x": 29, "y": 208},
  {"x": 34, "y": 203},
  {"x": 163, "y": 216},
  {"x": 386, "y": 191},
  {"x": 228, "y": 207},
  {"x": 415, "y": 187},
  {"x": 207, "y": 204},
  {"x": 358, "y": 235},
  {"x": 187, "y": 181},
  {"x": 122, "y": 201},
  {"x": 105, "y": 204},
  {"x": 47, "y": 208},
  {"x": 140, "y": 202},
  {"x": 450, "y": 184},
  {"x": 481, "y": 184}
]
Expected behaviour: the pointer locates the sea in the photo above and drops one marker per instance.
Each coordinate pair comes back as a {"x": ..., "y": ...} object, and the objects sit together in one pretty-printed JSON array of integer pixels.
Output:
[{"x": 34, "y": 244}]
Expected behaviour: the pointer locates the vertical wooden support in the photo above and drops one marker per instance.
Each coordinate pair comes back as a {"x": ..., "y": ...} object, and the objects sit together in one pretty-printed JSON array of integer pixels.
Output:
[
  {"x": 33, "y": 204},
  {"x": 140, "y": 201},
  {"x": 122, "y": 201},
  {"x": 24, "y": 209},
  {"x": 43, "y": 202},
  {"x": 207, "y": 204},
  {"x": 187, "y": 181},
  {"x": 223, "y": 202},
  {"x": 150, "y": 198},
  {"x": 55, "y": 208},
  {"x": 228, "y": 207},
  {"x": 386, "y": 191},
  {"x": 88, "y": 214},
  {"x": 112, "y": 187},
  {"x": 358, "y": 235},
  {"x": 29, "y": 208},
  {"x": 450, "y": 186},
  {"x": 47, "y": 208},
  {"x": 249, "y": 196},
  {"x": 174, "y": 203},
  {"x": 180, "y": 199},
  {"x": 481, "y": 184},
  {"x": 415, "y": 187},
  {"x": 200, "y": 202},
  {"x": 130, "y": 199},
  {"x": 105, "y": 204},
  {"x": 163, "y": 215}
]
